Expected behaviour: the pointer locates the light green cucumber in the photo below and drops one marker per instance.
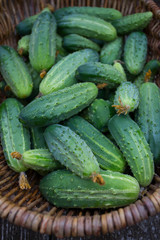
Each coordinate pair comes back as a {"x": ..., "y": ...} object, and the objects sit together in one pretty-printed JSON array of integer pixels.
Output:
[{"x": 23, "y": 45}]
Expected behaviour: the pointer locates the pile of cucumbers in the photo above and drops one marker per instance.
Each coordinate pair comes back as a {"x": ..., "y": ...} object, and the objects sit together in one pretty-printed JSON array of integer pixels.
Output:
[{"x": 82, "y": 108}]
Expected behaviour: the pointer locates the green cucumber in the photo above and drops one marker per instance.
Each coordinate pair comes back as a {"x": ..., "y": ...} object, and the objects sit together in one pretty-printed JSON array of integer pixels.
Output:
[
  {"x": 64, "y": 189},
  {"x": 15, "y": 72},
  {"x": 99, "y": 73},
  {"x": 134, "y": 147},
  {"x": 135, "y": 52},
  {"x": 14, "y": 136},
  {"x": 23, "y": 45},
  {"x": 108, "y": 14},
  {"x": 87, "y": 26},
  {"x": 133, "y": 22},
  {"x": 71, "y": 151},
  {"x": 38, "y": 140},
  {"x": 75, "y": 42},
  {"x": 62, "y": 74},
  {"x": 59, "y": 45},
  {"x": 58, "y": 106},
  {"x": 148, "y": 117},
  {"x": 111, "y": 51},
  {"x": 42, "y": 45},
  {"x": 120, "y": 68},
  {"x": 108, "y": 156},
  {"x": 126, "y": 98}
]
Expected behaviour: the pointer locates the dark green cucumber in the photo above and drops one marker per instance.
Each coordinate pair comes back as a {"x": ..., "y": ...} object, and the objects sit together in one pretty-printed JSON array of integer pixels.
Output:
[
  {"x": 148, "y": 117},
  {"x": 59, "y": 45},
  {"x": 126, "y": 98},
  {"x": 111, "y": 51},
  {"x": 108, "y": 156},
  {"x": 62, "y": 74},
  {"x": 71, "y": 151},
  {"x": 14, "y": 136},
  {"x": 108, "y": 14},
  {"x": 64, "y": 189},
  {"x": 38, "y": 140},
  {"x": 42, "y": 45},
  {"x": 134, "y": 147},
  {"x": 99, "y": 73},
  {"x": 135, "y": 52},
  {"x": 23, "y": 45},
  {"x": 87, "y": 26},
  {"x": 98, "y": 114},
  {"x": 75, "y": 42},
  {"x": 133, "y": 22},
  {"x": 58, "y": 106},
  {"x": 15, "y": 72}
]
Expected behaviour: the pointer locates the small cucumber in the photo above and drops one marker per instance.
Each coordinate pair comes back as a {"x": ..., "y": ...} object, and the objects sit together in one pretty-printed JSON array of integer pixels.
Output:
[
  {"x": 38, "y": 140},
  {"x": 87, "y": 26},
  {"x": 15, "y": 72},
  {"x": 134, "y": 147},
  {"x": 62, "y": 74},
  {"x": 23, "y": 45},
  {"x": 64, "y": 189},
  {"x": 120, "y": 68},
  {"x": 75, "y": 42},
  {"x": 108, "y": 156},
  {"x": 133, "y": 22},
  {"x": 58, "y": 106},
  {"x": 111, "y": 51}
]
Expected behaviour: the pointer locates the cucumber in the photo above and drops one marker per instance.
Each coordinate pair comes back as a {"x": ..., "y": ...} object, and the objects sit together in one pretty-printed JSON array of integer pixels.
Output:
[
  {"x": 64, "y": 189},
  {"x": 120, "y": 68},
  {"x": 15, "y": 72},
  {"x": 38, "y": 140},
  {"x": 87, "y": 26},
  {"x": 42, "y": 45},
  {"x": 126, "y": 98},
  {"x": 14, "y": 136},
  {"x": 98, "y": 114},
  {"x": 75, "y": 42},
  {"x": 108, "y": 156},
  {"x": 58, "y": 106},
  {"x": 23, "y": 45},
  {"x": 59, "y": 46},
  {"x": 135, "y": 52},
  {"x": 99, "y": 73},
  {"x": 111, "y": 51},
  {"x": 108, "y": 14},
  {"x": 71, "y": 151},
  {"x": 148, "y": 117},
  {"x": 133, "y": 22},
  {"x": 62, "y": 74},
  {"x": 134, "y": 147}
]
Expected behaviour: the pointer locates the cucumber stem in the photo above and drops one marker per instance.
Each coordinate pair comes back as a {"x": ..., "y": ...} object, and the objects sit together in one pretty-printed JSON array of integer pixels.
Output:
[
  {"x": 101, "y": 85},
  {"x": 97, "y": 178},
  {"x": 147, "y": 75},
  {"x": 43, "y": 73},
  {"x": 16, "y": 155},
  {"x": 23, "y": 182},
  {"x": 121, "y": 108},
  {"x": 51, "y": 8},
  {"x": 20, "y": 51}
]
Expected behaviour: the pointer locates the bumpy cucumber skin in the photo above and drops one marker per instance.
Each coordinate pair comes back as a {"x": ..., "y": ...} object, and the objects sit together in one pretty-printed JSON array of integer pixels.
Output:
[
  {"x": 71, "y": 151},
  {"x": 133, "y": 22},
  {"x": 87, "y": 26},
  {"x": 99, "y": 73},
  {"x": 120, "y": 68},
  {"x": 64, "y": 189},
  {"x": 128, "y": 94},
  {"x": 58, "y": 106},
  {"x": 42, "y": 45},
  {"x": 148, "y": 117},
  {"x": 38, "y": 140},
  {"x": 134, "y": 147},
  {"x": 108, "y": 14},
  {"x": 14, "y": 136},
  {"x": 108, "y": 156},
  {"x": 40, "y": 160},
  {"x": 135, "y": 52},
  {"x": 23, "y": 44},
  {"x": 98, "y": 114},
  {"x": 62, "y": 74},
  {"x": 111, "y": 51},
  {"x": 15, "y": 72},
  {"x": 75, "y": 42}
]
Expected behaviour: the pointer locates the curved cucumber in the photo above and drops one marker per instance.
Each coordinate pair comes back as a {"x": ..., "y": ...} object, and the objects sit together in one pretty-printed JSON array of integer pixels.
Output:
[
  {"x": 15, "y": 72},
  {"x": 134, "y": 146},
  {"x": 62, "y": 74},
  {"x": 64, "y": 189},
  {"x": 108, "y": 156},
  {"x": 58, "y": 106}
]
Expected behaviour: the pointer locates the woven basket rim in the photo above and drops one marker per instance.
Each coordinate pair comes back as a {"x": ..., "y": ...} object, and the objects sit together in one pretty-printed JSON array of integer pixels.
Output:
[{"x": 66, "y": 226}]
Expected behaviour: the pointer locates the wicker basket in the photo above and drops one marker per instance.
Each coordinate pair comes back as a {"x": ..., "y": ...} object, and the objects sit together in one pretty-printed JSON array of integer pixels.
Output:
[{"x": 28, "y": 208}]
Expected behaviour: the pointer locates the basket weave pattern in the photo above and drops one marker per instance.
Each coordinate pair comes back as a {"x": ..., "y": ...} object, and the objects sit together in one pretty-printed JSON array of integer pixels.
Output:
[{"x": 28, "y": 208}]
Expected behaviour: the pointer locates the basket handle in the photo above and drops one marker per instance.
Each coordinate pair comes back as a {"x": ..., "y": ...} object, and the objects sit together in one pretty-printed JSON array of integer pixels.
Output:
[{"x": 151, "y": 5}]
